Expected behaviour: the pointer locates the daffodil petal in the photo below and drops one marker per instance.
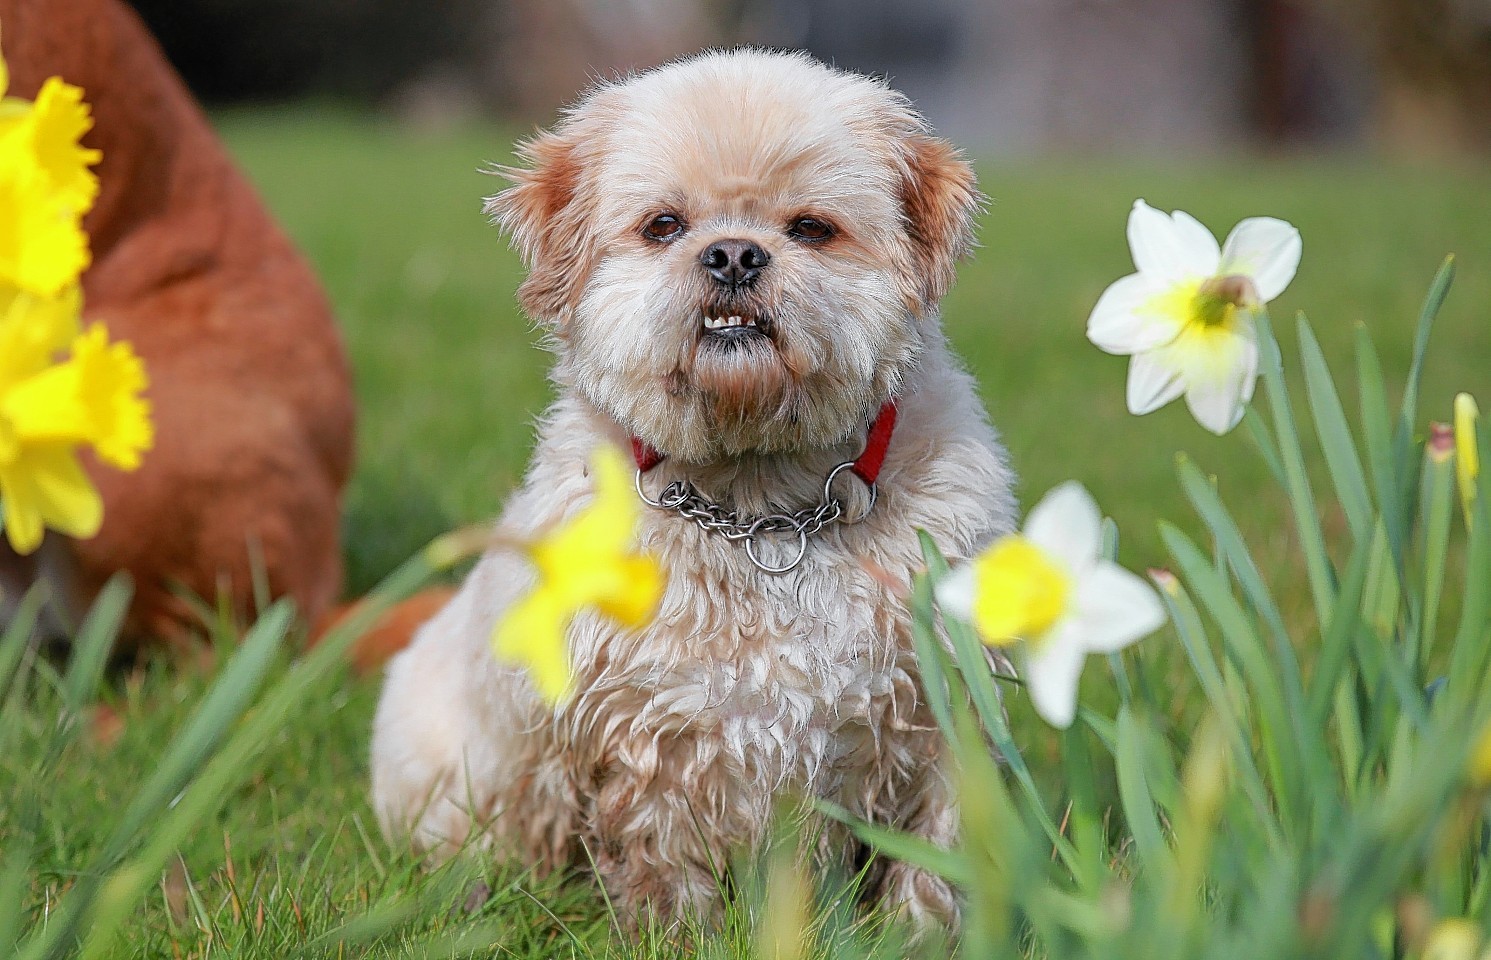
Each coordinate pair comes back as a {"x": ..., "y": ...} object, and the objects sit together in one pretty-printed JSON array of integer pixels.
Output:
[
  {"x": 42, "y": 246},
  {"x": 33, "y": 330},
  {"x": 70, "y": 502},
  {"x": 1124, "y": 322},
  {"x": 1053, "y": 669},
  {"x": 18, "y": 501},
  {"x": 1114, "y": 608},
  {"x": 955, "y": 592},
  {"x": 533, "y": 635},
  {"x": 639, "y": 588},
  {"x": 1218, "y": 385},
  {"x": 1170, "y": 248},
  {"x": 1200, "y": 244},
  {"x": 1267, "y": 250},
  {"x": 1067, "y": 525},
  {"x": 1152, "y": 382},
  {"x": 602, "y": 530},
  {"x": 46, "y": 486}
]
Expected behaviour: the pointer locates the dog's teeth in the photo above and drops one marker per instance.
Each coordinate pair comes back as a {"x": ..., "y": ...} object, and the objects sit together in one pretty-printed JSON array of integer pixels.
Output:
[{"x": 716, "y": 323}]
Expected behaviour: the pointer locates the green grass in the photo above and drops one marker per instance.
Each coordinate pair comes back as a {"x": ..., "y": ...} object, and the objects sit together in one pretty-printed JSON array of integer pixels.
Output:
[{"x": 449, "y": 382}]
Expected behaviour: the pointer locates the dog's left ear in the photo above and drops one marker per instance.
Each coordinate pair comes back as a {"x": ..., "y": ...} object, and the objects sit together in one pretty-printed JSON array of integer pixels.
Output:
[
  {"x": 543, "y": 213},
  {"x": 939, "y": 199}
]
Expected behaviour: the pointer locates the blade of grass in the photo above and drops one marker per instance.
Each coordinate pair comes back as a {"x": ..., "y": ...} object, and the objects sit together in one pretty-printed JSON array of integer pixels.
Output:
[
  {"x": 91, "y": 646},
  {"x": 17, "y": 636}
]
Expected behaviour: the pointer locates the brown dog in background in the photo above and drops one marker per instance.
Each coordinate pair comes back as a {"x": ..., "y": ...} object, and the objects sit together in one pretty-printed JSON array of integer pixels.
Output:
[{"x": 248, "y": 376}]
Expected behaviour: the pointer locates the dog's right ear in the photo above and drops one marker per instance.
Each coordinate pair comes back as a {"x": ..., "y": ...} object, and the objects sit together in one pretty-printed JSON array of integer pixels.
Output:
[{"x": 543, "y": 213}]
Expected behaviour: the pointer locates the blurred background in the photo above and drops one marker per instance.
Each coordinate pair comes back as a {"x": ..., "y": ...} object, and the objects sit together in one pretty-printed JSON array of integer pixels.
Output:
[{"x": 1000, "y": 76}]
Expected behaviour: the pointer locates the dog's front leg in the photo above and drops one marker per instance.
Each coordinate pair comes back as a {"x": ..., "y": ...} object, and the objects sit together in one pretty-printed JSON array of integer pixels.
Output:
[
  {"x": 662, "y": 840},
  {"x": 928, "y": 811}
]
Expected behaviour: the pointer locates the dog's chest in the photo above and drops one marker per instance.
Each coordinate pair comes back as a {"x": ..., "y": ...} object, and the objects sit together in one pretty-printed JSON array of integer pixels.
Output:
[{"x": 802, "y": 669}]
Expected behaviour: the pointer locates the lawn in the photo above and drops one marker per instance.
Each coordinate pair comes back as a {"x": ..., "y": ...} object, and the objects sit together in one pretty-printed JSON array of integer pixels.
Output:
[{"x": 449, "y": 381}]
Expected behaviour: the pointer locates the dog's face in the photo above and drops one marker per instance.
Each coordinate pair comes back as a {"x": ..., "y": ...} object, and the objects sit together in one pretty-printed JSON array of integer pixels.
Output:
[{"x": 738, "y": 252}]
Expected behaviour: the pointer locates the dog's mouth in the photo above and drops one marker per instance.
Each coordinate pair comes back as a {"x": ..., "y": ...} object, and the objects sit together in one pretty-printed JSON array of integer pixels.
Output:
[{"x": 730, "y": 325}]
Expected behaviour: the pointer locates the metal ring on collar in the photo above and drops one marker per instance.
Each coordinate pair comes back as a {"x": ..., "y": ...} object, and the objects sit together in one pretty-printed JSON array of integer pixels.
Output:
[
  {"x": 645, "y": 498},
  {"x": 763, "y": 566},
  {"x": 828, "y": 492}
]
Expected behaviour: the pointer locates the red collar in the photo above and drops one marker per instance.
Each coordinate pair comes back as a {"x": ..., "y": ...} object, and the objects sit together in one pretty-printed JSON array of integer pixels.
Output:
[{"x": 866, "y": 466}]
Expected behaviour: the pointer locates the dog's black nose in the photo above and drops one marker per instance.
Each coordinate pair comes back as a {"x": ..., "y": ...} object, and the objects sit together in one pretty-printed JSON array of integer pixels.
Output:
[{"x": 734, "y": 263}]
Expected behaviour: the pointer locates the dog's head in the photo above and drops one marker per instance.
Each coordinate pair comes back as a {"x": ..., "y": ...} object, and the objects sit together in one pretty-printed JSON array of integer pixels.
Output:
[{"x": 739, "y": 251}]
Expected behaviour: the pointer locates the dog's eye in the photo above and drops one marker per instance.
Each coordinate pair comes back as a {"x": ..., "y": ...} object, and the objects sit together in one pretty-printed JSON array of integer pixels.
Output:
[
  {"x": 808, "y": 228},
  {"x": 664, "y": 226}
]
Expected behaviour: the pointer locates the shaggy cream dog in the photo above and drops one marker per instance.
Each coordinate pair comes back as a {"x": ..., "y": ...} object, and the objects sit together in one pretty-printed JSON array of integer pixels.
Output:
[{"x": 738, "y": 258}]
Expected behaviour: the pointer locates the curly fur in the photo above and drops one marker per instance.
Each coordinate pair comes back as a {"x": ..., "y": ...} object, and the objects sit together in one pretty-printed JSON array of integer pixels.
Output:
[{"x": 747, "y": 685}]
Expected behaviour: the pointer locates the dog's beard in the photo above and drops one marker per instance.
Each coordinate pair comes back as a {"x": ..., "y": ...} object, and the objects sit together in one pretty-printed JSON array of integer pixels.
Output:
[{"x": 781, "y": 373}]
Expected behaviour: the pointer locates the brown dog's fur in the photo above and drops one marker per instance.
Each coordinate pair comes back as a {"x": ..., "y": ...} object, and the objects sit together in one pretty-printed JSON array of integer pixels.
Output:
[{"x": 248, "y": 377}]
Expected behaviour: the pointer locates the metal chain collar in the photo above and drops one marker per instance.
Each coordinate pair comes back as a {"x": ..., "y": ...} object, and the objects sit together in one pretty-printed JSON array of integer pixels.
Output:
[{"x": 681, "y": 498}]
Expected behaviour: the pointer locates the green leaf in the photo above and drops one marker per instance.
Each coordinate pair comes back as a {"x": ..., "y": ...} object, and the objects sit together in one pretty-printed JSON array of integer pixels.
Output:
[
  {"x": 17, "y": 636},
  {"x": 94, "y": 641},
  {"x": 1335, "y": 435},
  {"x": 1377, "y": 431},
  {"x": 899, "y": 845},
  {"x": 1408, "y": 415},
  {"x": 1203, "y": 497},
  {"x": 1336, "y": 638},
  {"x": 931, "y": 658},
  {"x": 1085, "y": 820},
  {"x": 1436, "y": 508},
  {"x": 1276, "y": 724},
  {"x": 1188, "y": 627},
  {"x": 1297, "y": 484},
  {"x": 1138, "y": 801}
]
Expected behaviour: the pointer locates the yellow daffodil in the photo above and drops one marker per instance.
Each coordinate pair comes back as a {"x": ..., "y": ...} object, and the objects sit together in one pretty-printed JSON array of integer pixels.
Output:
[
  {"x": 50, "y": 405},
  {"x": 45, "y": 187},
  {"x": 589, "y": 562},
  {"x": 35, "y": 330},
  {"x": 1186, "y": 316},
  {"x": 1049, "y": 589},
  {"x": 93, "y": 398},
  {"x": 48, "y": 134},
  {"x": 1467, "y": 454},
  {"x": 43, "y": 248}
]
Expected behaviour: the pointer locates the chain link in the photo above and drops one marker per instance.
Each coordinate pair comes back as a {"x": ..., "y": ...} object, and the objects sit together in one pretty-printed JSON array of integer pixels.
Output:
[{"x": 681, "y": 498}]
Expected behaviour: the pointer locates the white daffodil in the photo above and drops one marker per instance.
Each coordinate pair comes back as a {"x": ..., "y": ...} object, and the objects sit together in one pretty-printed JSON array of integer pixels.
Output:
[
  {"x": 1050, "y": 589},
  {"x": 1186, "y": 316}
]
